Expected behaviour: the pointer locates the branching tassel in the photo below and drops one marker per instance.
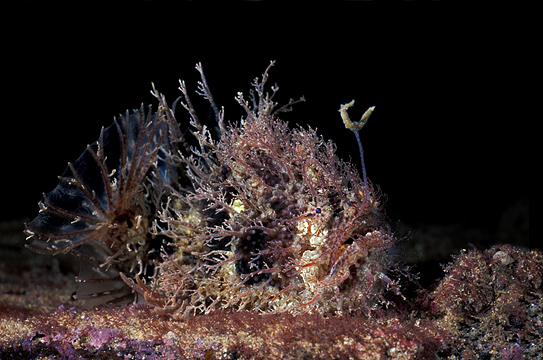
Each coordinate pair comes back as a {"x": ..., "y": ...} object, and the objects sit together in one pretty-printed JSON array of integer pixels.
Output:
[{"x": 355, "y": 128}]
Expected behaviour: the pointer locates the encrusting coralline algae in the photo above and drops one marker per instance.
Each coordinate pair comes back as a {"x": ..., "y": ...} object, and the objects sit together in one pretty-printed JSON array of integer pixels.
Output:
[{"x": 256, "y": 216}]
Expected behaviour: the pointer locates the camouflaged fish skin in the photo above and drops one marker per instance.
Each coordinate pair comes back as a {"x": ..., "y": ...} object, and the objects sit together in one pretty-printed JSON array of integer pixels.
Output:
[{"x": 263, "y": 217}]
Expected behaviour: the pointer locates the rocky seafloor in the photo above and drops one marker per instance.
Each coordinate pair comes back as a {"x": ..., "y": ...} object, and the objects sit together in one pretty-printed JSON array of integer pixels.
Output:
[{"x": 487, "y": 305}]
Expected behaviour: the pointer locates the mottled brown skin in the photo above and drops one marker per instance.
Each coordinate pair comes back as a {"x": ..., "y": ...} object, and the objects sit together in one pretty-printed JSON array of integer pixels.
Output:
[
  {"x": 273, "y": 221},
  {"x": 261, "y": 218}
]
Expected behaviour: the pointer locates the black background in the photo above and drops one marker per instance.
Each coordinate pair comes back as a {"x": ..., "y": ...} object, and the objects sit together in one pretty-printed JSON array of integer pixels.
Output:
[{"x": 446, "y": 142}]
